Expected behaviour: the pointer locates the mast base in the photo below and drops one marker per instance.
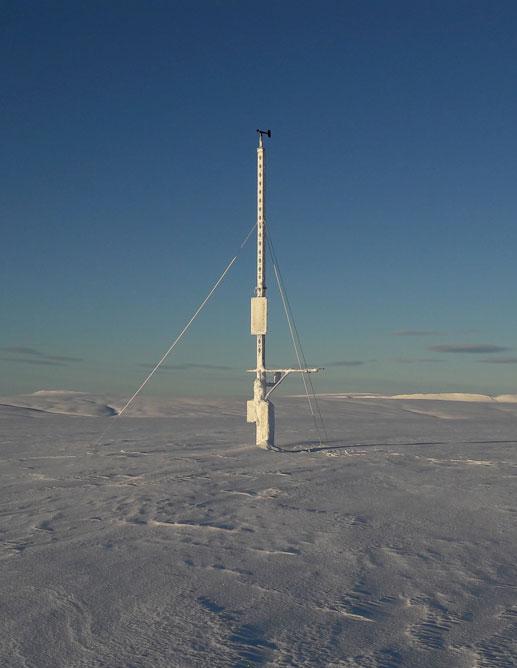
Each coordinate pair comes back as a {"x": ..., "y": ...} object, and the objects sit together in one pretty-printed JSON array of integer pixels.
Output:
[{"x": 262, "y": 412}]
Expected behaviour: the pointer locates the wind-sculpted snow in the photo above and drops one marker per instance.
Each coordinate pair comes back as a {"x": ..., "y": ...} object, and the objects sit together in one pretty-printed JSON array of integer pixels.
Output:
[{"x": 175, "y": 542}]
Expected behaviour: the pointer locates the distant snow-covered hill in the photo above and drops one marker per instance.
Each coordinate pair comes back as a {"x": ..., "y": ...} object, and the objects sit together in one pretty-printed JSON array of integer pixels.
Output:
[
  {"x": 66, "y": 402},
  {"x": 70, "y": 402},
  {"x": 435, "y": 396}
]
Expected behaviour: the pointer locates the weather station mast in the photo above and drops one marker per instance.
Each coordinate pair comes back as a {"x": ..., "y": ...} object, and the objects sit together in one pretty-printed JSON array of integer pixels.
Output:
[{"x": 260, "y": 409}]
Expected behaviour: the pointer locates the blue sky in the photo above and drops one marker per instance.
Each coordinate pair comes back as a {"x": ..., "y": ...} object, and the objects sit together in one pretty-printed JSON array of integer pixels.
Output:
[{"x": 128, "y": 181}]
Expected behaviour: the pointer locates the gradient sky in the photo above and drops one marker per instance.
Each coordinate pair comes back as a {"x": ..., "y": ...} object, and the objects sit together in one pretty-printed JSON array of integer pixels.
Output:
[{"x": 127, "y": 183}]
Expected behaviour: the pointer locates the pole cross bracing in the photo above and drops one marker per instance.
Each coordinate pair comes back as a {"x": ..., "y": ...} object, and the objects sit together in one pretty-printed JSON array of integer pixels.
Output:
[{"x": 260, "y": 409}]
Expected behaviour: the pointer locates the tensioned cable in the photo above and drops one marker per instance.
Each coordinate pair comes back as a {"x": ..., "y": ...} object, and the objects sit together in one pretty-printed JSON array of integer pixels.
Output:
[
  {"x": 296, "y": 350},
  {"x": 180, "y": 335},
  {"x": 280, "y": 289},
  {"x": 300, "y": 356}
]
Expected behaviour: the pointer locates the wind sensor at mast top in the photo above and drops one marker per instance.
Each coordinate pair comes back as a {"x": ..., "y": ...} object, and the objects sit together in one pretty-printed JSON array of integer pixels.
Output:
[{"x": 261, "y": 133}]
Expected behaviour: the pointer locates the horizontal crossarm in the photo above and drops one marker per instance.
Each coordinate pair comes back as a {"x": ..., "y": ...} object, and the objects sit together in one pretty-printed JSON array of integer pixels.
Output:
[
  {"x": 279, "y": 375},
  {"x": 314, "y": 370}
]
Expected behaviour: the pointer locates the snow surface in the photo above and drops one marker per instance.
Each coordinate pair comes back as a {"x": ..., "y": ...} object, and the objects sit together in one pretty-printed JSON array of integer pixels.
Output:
[{"x": 176, "y": 542}]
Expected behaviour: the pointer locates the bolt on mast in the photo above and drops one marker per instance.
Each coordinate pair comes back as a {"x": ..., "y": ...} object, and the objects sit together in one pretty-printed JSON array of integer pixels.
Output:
[{"x": 260, "y": 409}]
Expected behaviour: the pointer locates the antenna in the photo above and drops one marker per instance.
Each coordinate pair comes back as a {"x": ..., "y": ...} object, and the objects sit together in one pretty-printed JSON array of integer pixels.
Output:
[{"x": 260, "y": 409}]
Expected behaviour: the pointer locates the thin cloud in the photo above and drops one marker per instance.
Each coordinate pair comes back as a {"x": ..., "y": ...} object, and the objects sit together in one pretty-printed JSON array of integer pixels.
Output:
[
  {"x": 418, "y": 360},
  {"x": 189, "y": 366},
  {"x": 473, "y": 348},
  {"x": 418, "y": 332},
  {"x": 499, "y": 360},
  {"x": 23, "y": 350},
  {"x": 345, "y": 363},
  {"x": 36, "y": 362},
  {"x": 63, "y": 358}
]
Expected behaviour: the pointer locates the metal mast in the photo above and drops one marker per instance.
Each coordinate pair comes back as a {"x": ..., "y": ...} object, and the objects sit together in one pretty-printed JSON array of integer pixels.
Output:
[
  {"x": 260, "y": 410},
  {"x": 260, "y": 290}
]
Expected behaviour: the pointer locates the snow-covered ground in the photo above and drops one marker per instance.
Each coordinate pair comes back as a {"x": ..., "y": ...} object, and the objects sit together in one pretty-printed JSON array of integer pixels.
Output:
[{"x": 176, "y": 542}]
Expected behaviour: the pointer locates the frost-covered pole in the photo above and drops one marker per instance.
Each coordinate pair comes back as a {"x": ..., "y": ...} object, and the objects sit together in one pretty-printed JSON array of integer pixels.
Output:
[
  {"x": 260, "y": 410},
  {"x": 260, "y": 290}
]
